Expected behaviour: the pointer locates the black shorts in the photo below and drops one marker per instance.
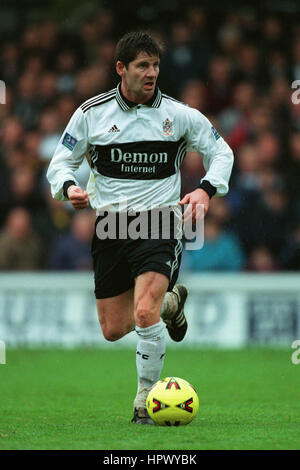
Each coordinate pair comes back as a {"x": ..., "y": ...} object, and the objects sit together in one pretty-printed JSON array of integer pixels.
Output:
[{"x": 117, "y": 262}]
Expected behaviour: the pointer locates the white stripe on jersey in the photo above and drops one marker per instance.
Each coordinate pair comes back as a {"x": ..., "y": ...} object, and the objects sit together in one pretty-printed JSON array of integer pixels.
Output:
[{"x": 98, "y": 99}]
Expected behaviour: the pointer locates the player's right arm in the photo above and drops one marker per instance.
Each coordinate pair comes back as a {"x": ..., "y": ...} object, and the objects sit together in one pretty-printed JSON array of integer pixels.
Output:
[{"x": 68, "y": 156}]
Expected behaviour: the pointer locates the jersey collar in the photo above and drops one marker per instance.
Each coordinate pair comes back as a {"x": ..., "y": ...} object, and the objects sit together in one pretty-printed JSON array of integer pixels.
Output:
[{"x": 125, "y": 104}]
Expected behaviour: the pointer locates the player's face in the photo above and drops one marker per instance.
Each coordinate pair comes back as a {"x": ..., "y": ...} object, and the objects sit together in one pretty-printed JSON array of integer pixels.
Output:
[{"x": 139, "y": 77}]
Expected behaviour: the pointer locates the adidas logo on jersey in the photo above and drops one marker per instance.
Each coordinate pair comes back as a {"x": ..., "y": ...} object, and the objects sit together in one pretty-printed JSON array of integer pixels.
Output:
[{"x": 114, "y": 129}]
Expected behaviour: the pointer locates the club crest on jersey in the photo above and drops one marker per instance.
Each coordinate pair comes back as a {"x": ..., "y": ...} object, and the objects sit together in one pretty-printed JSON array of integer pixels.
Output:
[{"x": 168, "y": 128}]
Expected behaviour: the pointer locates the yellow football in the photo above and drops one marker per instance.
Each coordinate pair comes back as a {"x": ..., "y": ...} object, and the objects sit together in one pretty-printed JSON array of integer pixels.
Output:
[{"x": 172, "y": 402}]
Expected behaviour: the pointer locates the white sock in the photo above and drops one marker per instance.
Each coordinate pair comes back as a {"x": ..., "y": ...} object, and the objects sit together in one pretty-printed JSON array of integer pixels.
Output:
[
  {"x": 169, "y": 305},
  {"x": 150, "y": 353}
]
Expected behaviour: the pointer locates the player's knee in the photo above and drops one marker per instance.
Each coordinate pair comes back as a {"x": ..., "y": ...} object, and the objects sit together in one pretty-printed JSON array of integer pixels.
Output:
[
  {"x": 144, "y": 316},
  {"x": 147, "y": 309},
  {"x": 112, "y": 334}
]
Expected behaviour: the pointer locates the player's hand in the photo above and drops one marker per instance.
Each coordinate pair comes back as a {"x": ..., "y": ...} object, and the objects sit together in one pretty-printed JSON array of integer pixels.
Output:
[
  {"x": 195, "y": 200},
  {"x": 78, "y": 197}
]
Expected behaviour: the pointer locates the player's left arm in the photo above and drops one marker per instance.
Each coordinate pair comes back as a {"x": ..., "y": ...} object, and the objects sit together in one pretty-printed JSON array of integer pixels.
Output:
[{"x": 217, "y": 161}]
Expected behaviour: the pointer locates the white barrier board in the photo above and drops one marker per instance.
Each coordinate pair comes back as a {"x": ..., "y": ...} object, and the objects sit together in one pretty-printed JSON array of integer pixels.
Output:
[{"x": 224, "y": 310}]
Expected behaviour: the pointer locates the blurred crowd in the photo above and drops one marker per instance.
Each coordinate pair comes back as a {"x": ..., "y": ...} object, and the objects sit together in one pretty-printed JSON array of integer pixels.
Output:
[{"x": 238, "y": 71}]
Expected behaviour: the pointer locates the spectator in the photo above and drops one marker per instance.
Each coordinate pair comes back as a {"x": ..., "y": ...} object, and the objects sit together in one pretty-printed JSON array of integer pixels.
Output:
[
  {"x": 72, "y": 250},
  {"x": 221, "y": 251},
  {"x": 12, "y": 134},
  {"x": 219, "y": 84},
  {"x": 50, "y": 129},
  {"x": 34, "y": 64},
  {"x": 261, "y": 260},
  {"x": 220, "y": 211},
  {"x": 27, "y": 106},
  {"x": 272, "y": 31},
  {"x": 234, "y": 121},
  {"x": 54, "y": 220},
  {"x": 48, "y": 89},
  {"x": 184, "y": 60},
  {"x": 10, "y": 63},
  {"x": 264, "y": 221},
  {"x": 20, "y": 246},
  {"x": 280, "y": 92},
  {"x": 229, "y": 41},
  {"x": 290, "y": 254},
  {"x": 268, "y": 150},
  {"x": 66, "y": 69},
  {"x": 22, "y": 190},
  {"x": 197, "y": 21},
  {"x": 194, "y": 95},
  {"x": 65, "y": 106},
  {"x": 31, "y": 149},
  {"x": 91, "y": 81},
  {"x": 249, "y": 67},
  {"x": 245, "y": 185}
]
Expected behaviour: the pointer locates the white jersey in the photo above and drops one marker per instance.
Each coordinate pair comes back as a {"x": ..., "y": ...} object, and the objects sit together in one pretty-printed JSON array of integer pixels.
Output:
[{"x": 136, "y": 150}]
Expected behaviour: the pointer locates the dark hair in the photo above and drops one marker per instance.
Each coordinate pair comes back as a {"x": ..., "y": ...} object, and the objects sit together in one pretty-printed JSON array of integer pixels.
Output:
[{"x": 130, "y": 45}]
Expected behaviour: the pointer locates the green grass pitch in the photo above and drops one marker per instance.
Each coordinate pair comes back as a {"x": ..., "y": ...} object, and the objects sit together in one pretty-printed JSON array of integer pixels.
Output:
[{"x": 82, "y": 399}]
